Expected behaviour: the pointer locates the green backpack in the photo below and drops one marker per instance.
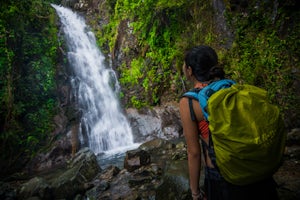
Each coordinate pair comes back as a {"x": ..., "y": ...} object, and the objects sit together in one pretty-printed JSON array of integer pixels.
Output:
[{"x": 247, "y": 131}]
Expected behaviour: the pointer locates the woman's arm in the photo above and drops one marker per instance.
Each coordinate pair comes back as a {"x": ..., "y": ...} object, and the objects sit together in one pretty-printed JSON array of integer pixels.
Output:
[{"x": 190, "y": 131}]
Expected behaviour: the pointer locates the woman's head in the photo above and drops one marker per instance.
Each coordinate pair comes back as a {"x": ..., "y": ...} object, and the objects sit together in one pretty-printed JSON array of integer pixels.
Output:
[{"x": 203, "y": 61}]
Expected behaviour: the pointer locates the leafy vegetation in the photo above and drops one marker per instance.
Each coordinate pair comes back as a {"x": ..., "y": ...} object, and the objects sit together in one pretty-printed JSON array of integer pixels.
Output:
[
  {"x": 163, "y": 30},
  {"x": 265, "y": 55},
  {"x": 262, "y": 52},
  {"x": 28, "y": 50}
]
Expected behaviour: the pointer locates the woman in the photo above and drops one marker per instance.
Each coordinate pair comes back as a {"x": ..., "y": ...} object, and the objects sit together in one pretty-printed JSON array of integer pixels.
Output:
[{"x": 201, "y": 68}]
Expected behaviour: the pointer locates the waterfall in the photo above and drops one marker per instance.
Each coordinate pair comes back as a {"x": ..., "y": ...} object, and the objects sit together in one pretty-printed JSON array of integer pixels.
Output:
[{"x": 95, "y": 86}]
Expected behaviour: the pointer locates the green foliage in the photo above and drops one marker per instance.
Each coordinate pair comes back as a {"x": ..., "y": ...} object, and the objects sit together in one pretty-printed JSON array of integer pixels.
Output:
[
  {"x": 136, "y": 102},
  {"x": 264, "y": 53},
  {"x": 157, "y": 27},
  {"x": 264, "y": 56},
  {"x": 133, "y": 74},
  {"x": 28, "y": 39},
  {"x": 264, "y": 50}
]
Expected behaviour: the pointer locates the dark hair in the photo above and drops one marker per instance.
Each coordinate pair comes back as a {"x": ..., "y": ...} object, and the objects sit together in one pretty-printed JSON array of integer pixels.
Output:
[{"x": 204, "y": 63}]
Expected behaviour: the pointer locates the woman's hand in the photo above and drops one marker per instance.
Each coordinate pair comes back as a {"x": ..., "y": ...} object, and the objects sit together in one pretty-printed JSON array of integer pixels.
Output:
[{"x": 199, "y": 195}]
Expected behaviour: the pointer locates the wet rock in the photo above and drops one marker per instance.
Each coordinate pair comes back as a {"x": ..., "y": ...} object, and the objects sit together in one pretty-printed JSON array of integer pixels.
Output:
[
  {"x": 293, "y": 137},
  {"x": 81, "y": 6},
  {"x": 92, "y": 193},
  {"x": 139, "y": 180},
  {"x": 287, "y": 176},
  {"x": 60, "y": 121},
  {"x": 293, "y": 152},
  {"x": 36, "y": 187},
  {"x": 175, "y": 182},
  {"x": 135, "y": 159},
  {"x": 54, "y": 159},
  {"x": 118, "y": 187},
  {"x": 155, "y": 144},
  {"x": 69, "y": 3},
  {"x": 109, "y": 173},
  {"x": 287, "y": 179},
  {"x": 82, "y": 169},
  {"x": 64, "y": 183},
  {"x": 7, "y": 191},
  {"x": 159, "y": 122},
  {"x": 180, "y": 153}
]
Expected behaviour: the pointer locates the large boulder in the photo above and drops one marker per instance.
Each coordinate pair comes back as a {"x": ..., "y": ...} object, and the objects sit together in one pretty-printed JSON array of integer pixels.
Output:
[
  {"x": 158, "y": 122},
  {"x": 36, "y": 187},
  {"x": 135, "y": 159},
  {"x": 63, "y": 183},
  {"x": 175, "y": 183},
  {"x": 55, "y": 158}
]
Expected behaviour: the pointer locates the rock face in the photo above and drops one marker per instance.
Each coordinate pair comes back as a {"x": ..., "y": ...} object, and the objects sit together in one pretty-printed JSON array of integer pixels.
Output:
[
  {"x": 55, "y": 158},
  {"x": 158, "y": 122},
  {"x": 63, "y": 183}
]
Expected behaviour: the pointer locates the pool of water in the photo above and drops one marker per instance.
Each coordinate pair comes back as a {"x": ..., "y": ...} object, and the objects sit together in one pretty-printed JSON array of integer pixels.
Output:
[{"x": 114, "y": 157}]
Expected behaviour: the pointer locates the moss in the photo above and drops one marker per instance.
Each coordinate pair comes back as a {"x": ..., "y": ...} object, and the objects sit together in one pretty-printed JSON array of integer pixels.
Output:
[{"x": 263, "y": 51}]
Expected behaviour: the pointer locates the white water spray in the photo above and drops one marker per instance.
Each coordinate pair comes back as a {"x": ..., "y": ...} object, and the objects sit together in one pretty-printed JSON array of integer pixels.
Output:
[{"x": 96, "y": 86}]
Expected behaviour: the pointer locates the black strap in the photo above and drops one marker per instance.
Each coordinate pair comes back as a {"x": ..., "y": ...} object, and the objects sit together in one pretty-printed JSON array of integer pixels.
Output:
[
  {"x": 205, "y": 147},
  {"x": 213, "y": 173},
  {"x": 192, "y": 112},
  {"x": 190, "y": 98}
]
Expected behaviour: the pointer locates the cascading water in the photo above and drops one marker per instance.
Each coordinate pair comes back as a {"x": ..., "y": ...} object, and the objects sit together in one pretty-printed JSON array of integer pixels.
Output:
[{"x": 96, "y": 87}]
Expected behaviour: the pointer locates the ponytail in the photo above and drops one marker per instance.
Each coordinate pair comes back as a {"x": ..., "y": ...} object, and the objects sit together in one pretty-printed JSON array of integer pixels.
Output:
[
  {"x": 204, "y": 60},
  {"x": 216, "y": 72}
]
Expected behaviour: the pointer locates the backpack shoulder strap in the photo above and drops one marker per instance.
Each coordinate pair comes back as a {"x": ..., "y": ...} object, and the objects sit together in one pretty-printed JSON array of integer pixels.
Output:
[
  {"x": 192, "y": 94},
  {"x": 209, "y": 90}
]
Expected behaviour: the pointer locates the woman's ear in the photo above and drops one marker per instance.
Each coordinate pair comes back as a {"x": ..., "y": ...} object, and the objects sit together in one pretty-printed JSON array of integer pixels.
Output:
[{"x": 189, "y": 71}]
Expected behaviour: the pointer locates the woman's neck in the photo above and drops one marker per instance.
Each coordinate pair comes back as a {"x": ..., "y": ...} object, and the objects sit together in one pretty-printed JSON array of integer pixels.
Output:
[{"x": 200, "y": 85}]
